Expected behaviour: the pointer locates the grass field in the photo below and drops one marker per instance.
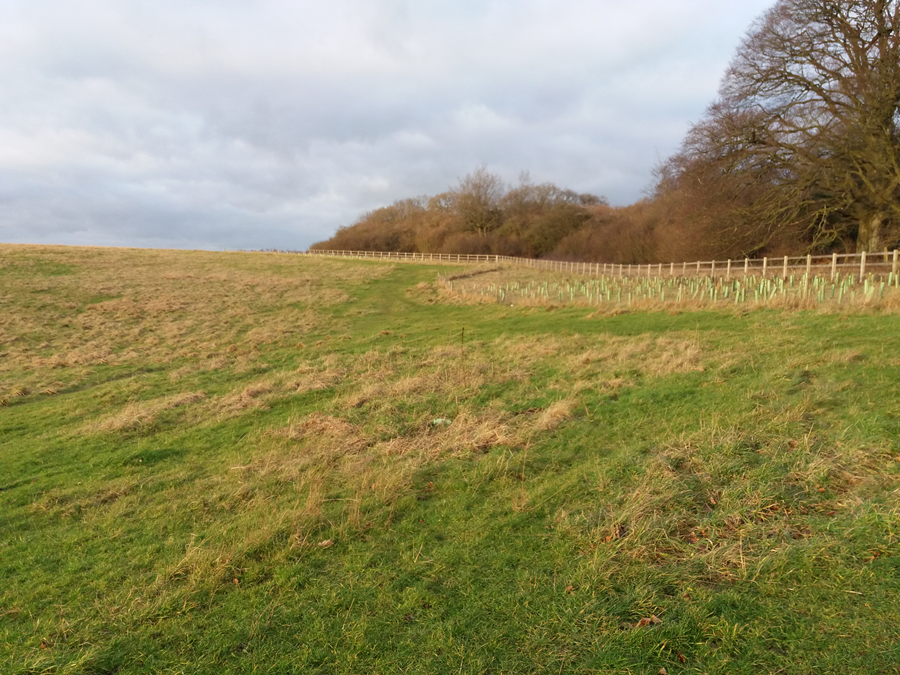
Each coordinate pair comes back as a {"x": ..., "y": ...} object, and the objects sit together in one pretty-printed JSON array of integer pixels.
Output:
[{"x": 263, "y": 463}]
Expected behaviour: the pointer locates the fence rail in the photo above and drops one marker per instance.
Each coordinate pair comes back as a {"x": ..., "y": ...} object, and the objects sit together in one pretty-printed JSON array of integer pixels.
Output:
[
  {"x": 879, "y": 264},
  {"x": 413, "y": 257}
]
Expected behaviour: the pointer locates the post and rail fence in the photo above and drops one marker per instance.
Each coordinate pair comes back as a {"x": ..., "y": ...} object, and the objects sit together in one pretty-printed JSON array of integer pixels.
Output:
[{"x": 880, "y": 264}]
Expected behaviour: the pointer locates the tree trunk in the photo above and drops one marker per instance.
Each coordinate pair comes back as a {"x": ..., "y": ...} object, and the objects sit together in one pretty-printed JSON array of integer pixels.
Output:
[{"x": 870, "y": 230}]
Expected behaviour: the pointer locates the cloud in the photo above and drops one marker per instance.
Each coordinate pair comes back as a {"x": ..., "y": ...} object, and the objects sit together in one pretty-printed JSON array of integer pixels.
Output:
[{"x": 268, "y": 124}]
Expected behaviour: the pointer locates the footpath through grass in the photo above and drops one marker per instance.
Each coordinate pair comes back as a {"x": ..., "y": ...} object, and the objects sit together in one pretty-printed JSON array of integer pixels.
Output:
[{"x": 229, "y": 463}]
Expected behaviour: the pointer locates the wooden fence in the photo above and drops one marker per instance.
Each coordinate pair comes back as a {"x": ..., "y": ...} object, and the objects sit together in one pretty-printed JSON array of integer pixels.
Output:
[{"x": 861, "y": 264}]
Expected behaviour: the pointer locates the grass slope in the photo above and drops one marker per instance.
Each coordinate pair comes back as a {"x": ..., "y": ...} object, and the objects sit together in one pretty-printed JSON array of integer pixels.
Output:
[{"x": 242, "y": 463}]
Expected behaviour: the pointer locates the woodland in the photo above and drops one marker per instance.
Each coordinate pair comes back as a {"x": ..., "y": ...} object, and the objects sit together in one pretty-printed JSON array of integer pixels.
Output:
[{"x": 799, "y": 153}]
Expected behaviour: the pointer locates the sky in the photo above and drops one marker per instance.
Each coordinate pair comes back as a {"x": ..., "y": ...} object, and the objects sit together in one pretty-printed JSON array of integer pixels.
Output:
[{"x": 257, "y": 124}]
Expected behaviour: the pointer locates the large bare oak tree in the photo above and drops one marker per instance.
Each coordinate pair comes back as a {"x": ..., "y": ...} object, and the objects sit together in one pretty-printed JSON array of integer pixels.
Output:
[{"x": 806, "y": 124}]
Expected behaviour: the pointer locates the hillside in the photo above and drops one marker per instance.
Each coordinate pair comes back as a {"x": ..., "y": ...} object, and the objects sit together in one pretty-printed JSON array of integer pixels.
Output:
[{"x": 239, "y": 462}]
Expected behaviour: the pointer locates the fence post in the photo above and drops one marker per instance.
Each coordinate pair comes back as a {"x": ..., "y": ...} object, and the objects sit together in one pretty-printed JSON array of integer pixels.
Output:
[
  {"x": 684, "y": 269},
  {"x": 712, "y": 268},
  {"x": 808, "y": 265},
  {"x": 833, "y": 266},
  {"x": 896, "y": 260},
  {"x": 698, "y": 267},
  {"x": 672, "y": 269},
  {"x": 765, "y": 266},
  {"x": 746, "y": 266},
  {"x": 862, "y": 266},
  {"x": 728, "y": 270},
  {"x": 660, "y": 269},
  {"x": 784, "y": 271}
]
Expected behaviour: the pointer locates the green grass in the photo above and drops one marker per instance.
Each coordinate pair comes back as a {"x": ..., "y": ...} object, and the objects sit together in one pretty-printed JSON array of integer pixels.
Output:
[{"x": 182, "y": 430}]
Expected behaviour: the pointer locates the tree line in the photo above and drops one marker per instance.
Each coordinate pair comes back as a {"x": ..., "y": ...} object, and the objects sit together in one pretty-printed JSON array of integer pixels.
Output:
[
  {"x": 482, "y": 215},
  {"x": 800, "y": 152}
]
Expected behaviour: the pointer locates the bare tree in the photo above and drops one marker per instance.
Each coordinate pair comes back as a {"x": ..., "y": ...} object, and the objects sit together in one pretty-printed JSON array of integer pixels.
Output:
[
  {"x": 807, "y": 121},
  {"x": 477, "y": 200}
]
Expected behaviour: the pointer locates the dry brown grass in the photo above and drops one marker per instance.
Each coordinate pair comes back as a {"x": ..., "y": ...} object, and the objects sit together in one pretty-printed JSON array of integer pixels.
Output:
[
  {"x": 241, "y": 400},
  {"x": 397, "y": 409},
  {"x": 554, "y": 414},
  {"x": 582, "y": 356},
  {"x": 378, "y": 386},
  {"x": 325, "y": 434},
  {"x": 142, "y": 414},
  {"x": 124, "y": 306}
]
